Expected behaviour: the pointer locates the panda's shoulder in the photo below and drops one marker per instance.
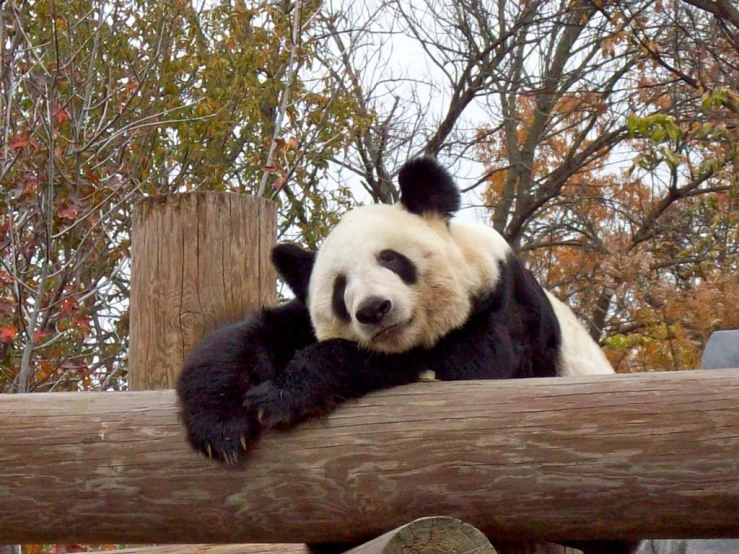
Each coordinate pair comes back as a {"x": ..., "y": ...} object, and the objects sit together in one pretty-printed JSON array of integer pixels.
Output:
[{"x": 515, "y": 290}]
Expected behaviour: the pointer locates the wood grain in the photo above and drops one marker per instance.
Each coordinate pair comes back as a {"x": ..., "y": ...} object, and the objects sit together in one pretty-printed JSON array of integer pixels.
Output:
[
  {"x": 429, "y": 535},
  {"x": 199, "y": 260},
  {"x": 630, "y": 456},
  {"x": 211, "y": 549}
]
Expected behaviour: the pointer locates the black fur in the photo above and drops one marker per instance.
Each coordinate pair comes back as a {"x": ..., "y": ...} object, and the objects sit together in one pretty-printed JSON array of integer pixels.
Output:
[
  {"x": 228, "y": 362},
  {"x": 427, "y": 188},
  {"x": 294, "y": 265},
  {"x": 513, "y": 333},
  {"x": 399, "y": 264},
  {"x": 338, "y": 305}
]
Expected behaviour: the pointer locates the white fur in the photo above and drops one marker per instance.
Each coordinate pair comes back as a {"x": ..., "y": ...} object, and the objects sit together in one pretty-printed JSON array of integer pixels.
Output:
[
  {"x": 579, "y": 354},
  {"x": 483, "y": 247}
]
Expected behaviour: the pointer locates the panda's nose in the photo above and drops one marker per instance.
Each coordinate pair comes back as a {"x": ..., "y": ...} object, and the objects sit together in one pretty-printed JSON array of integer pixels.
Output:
[{"x": 373, "y": 309}]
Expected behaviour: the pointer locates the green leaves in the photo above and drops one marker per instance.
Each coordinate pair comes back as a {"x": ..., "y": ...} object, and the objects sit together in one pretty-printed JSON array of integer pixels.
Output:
[{"x": 657, "y": 128}]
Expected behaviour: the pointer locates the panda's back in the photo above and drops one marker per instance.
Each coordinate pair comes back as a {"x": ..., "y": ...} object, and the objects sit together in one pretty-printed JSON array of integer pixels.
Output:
[
  {"x": 516, "y": 330},
  {"x": 579, "y": 353}
]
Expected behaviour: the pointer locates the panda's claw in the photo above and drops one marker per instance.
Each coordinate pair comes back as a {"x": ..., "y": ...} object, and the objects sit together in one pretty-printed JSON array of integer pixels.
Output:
[
  {"x": 231, "y": 457},
  {"x": 224, "y": 439},
  {"x": 272, "y": 406}
]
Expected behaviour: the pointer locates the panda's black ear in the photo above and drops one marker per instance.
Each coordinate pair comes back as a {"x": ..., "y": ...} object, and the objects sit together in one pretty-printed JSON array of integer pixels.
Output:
[
  {"x": 427, "y": 188},
  {"x": 294, "y": 264}
]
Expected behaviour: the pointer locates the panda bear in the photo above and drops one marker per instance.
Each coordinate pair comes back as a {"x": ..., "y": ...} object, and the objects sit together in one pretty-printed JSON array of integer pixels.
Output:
[{"x": 395, "y": 293}]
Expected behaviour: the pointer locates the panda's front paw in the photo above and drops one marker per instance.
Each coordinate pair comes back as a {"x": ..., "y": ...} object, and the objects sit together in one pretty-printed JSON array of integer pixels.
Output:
[
  {"x": 222, "y": 440},
  {"x": 274, "y": 406},
  {"x": 278, "y": 405}
]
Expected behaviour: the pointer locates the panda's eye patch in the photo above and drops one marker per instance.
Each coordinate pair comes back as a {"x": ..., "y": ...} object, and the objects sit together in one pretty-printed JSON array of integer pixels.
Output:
[
  {"x": 337, "y": 299},
  {"x": 398, "y": 264}
]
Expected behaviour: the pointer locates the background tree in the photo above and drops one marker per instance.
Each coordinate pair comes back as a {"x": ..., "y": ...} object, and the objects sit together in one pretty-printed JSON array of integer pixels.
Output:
[
  {"x": 103, "y": 102},
  {"x": 607, "y": 132}
]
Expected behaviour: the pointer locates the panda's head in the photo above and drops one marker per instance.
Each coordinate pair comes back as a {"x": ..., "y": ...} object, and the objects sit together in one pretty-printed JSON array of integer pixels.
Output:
[{"x": 396, "y": 277}]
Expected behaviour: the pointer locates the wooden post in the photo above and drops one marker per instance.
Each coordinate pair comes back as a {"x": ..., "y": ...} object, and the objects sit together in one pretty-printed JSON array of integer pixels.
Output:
[
  {"x": 199, "y": 260},
  {"x": 650, "y": 455}
]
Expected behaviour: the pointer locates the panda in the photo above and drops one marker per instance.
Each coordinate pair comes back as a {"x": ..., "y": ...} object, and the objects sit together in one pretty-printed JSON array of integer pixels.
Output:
[{"x": 396, "y": 293}]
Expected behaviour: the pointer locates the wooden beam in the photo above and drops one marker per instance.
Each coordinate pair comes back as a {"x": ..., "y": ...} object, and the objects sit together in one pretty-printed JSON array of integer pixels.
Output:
[
  {"x": 644, "y": 455},
  {"x": 436, "y": 535},
  {"x": 211, "y": 549}
]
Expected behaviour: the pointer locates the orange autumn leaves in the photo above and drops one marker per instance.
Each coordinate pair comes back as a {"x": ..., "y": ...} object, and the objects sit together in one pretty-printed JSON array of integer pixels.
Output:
[{"x": 652, "y": 275}]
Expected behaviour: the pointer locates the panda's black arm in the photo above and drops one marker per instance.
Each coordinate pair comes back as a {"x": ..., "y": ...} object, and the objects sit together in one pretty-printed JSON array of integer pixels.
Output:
[
  {"x": 324, "y": 374},
  {"x": 226, "y": 363}
]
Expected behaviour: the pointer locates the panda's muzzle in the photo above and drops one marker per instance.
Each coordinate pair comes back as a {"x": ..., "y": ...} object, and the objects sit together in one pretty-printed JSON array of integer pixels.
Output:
[{"x": 373, "y": 310}]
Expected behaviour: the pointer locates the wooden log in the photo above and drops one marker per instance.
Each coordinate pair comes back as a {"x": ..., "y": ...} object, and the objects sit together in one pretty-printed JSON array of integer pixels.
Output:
[
  {"x": 199, "y": 260},
  {"x": 437, "y": 535},
  {"x": 630, "y": 456},
  {"x": 211, "y": 549},
  {"x": 429, "y": 535}
]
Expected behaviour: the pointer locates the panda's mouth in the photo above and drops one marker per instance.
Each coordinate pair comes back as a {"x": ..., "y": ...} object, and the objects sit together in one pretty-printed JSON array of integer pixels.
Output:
[{"x": 392, "y": 329}]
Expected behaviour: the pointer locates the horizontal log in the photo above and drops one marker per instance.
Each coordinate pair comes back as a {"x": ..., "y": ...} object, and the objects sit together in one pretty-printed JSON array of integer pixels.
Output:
[
  {"x": 211, "y": 549},
  {"x": 429, "y": 534},
  {"x": 631, "y": 456}
]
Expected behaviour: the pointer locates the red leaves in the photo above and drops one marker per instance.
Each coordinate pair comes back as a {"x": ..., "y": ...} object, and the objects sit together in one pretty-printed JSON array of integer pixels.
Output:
[
  {"x": 68, "y": 211},
  {"x": 76, "y": 317},
  {"x": 60, "y": 114},
  {"x": 290, "y": 144},
  {"x": 281, "y": 146},
  {"x": 69, "y": 208},
  {"x": 7, "y": 334},
  {"x": 20, "y": 141}
]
